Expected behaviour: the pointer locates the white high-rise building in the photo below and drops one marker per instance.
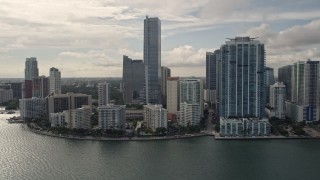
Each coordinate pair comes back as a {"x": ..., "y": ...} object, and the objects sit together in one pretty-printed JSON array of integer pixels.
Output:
[
  {"x": 155, "y": 116},
  {"x": 103, "y": 94},
  {"x": 111, "y": 117},
  {"x": 191, "y": 95},
  {"x": 277, "y": 99},
  {"x": 33, "y": 108},
  {"x": 189, "y": 114},
  {"x": 241, "y": 78},
  {"x": 55, "y": 81},
  {"x": 57, "y": 119},
  {"x": 152, "y": 59},
  {"x": 79, "y": 118}
]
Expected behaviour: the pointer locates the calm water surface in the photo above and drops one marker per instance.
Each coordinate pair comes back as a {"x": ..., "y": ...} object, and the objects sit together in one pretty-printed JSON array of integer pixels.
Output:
[{"x": 25, "y": 155}]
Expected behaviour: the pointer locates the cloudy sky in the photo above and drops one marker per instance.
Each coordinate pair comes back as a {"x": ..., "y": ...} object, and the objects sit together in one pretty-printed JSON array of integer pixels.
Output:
[{"x": 87, "y": 38}]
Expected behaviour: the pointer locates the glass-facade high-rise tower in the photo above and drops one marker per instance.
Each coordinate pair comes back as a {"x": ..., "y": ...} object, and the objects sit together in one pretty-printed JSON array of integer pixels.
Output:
[
  {"x": 241, "y": 79},
  {"x": 152, "y": 59}
]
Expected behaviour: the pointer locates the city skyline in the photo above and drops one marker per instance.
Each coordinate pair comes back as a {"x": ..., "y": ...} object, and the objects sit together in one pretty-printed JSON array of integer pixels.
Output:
[{"x": 93, "y": 36}]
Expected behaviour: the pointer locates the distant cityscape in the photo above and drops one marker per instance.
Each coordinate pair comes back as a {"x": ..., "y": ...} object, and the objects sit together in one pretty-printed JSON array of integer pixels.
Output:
[{"x": 239, "y": 97}]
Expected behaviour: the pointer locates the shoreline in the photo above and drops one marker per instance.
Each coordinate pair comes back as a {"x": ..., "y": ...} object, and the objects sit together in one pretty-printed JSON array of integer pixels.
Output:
[{"x": 152, "y": 138}]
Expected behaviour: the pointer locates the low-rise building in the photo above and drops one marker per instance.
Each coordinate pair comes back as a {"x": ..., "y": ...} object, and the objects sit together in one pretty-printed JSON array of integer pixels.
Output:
[
  {"x": 57, "y": 119},
  {"x": 134, "y": 114},
  {"x": 243, "y": 127}
]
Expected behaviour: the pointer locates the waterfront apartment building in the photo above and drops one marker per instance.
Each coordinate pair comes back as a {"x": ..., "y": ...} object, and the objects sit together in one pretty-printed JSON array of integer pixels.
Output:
[
  {"x": 133, "y": 80},
  {"x": 173, "y": 97},
  {"x": 152, "y": 59},
  {"x": 112, "y": 117},
  {"x": 189, "y": 114},
  {"x": 285, "y": 76},
  {"x": 103, "y": 94},
  {"x": 191, "y": 91},
  {"x": 244, "y": 127},
  {"x": 277, "y": 100},
  {"x": 79, "y": 118},
  {"x": 241, "y": 78},
  {"x": 33, "y": 108},
  {"x": 55, "y": 80},
  {"x": 40, "y": 87},
  {"x": 31, "y": 71},
  {"x": 305, "y": 91},
  {"x": 60, "y": 102},
  {"x": 155, "y": 116}
]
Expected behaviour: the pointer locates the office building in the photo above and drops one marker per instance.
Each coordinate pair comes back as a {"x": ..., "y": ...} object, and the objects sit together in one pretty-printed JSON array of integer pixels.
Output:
[
  {"x": 241, "y": 78},
  {"x": 152, "y": 59},
  {"x": 40, "y": 87},
  {"x": 33, "y": 108},
  {"x": 112, "y": 117},
  {"x": 103, "y": 94},
  {"x": 133, "y": 80},
  {"x": 55, "y": 80},
  {"x": 165, "y": 73},
  {"x": 155, "y": 116}
]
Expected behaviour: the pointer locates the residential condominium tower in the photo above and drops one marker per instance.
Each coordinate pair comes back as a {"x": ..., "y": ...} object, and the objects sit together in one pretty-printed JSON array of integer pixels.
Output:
[
  {"x": 103, "y": 94},
  {"x": 31, "y": 71},
  {"x": 55, "y": 80},
  {"x": 211, "y": 75},
  {"x": 152, "y": 59},
  {"x": 241, "y": 78},
  {"x": 165, "y": 73}
]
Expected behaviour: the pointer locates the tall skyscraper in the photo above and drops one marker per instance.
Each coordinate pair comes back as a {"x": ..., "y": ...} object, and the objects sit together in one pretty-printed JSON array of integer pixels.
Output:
[
  {"x": 241, "y": 78},
  {"x": 269, "y": 80},
  {"x": 284, "y": 75},
  {"x": 165, "y": 73},
  {"x": 173, "y": 97},
  {"x": 103, "y": 94},
  {"x": 31, "y": 71},
  {"x": 152, "y": 59},
  {"x": 133, "y": 80},
  {"x": 211, "y": 75},
  {"x": 55, "y": 80}
]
